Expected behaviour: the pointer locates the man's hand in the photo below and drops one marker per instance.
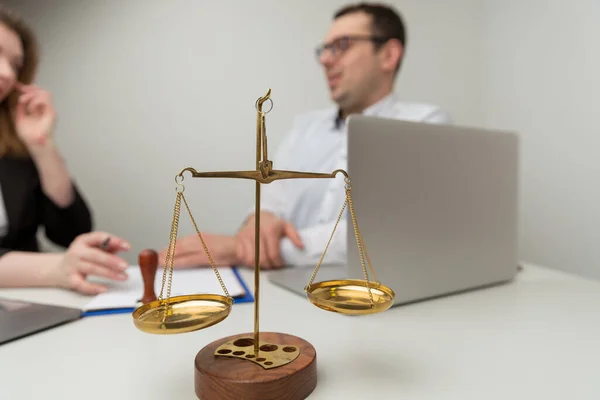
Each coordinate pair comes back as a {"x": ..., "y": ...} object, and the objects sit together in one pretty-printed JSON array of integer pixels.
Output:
[
  {"x": 189, "y": 251},
  {"x": 272, "y": 230}
]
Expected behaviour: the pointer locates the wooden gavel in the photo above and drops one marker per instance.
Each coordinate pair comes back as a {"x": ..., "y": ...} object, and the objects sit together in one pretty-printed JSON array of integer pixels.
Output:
[{"x": 148, "y": 261}]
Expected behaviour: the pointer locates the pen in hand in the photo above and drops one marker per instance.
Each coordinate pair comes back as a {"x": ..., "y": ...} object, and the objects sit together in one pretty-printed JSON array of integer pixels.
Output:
[
  {"x": 105, "y": 243},
  {"x": 105, "y": 246}
]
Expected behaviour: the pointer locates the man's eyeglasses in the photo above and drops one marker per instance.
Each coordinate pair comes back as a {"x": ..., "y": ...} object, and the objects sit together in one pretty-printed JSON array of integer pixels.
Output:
[{"x": 338, "y": 46}]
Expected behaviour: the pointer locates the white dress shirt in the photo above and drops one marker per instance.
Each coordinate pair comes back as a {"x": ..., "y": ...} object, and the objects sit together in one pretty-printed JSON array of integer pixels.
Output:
[{"x": 318, "y": 143}]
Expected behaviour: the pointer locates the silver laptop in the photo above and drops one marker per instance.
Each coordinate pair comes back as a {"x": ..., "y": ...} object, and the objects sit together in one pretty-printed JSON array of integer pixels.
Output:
[
  {"x": 437, "y": 206},
  {"x": 19, "y": 319}
]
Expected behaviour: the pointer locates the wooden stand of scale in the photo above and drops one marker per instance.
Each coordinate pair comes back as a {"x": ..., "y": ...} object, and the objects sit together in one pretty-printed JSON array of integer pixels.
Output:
[{"x": 257, "y": 365}]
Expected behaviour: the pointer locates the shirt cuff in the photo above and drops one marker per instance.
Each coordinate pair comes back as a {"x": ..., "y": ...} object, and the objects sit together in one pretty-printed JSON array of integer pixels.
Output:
[{"x": 315, "y": 240}]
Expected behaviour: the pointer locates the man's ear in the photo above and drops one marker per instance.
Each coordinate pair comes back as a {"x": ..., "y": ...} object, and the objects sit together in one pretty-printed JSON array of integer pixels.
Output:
[{"x": 391, "y": 55}]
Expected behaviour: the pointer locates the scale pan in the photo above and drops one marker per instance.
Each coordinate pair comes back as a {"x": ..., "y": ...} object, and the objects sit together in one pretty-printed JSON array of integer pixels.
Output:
[
  {"x": 183, "y": 313},
  {"x": 350, "y": 296}
]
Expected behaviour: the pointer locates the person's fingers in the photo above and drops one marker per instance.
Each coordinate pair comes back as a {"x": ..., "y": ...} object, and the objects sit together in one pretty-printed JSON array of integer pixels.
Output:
[
  {"x": 190, "y": 260},
  {"x": 24, "y": 107},
  {"x": 290, "y": 231},
  {"x": 115, "y": 244},
  {"x": 187, "y": 245},
  {"x": 248, "y": 222},
  {"x": 97, "y": 256},
  {"x": 271, "y": 244},
  {"x": 239, "y": 251},
  {"x": 83, "y": 286},
  {"x": 249, "y": 251},
  {"x": 20, "y": 110},
  {"x": 89, "y": 268},
  {"x": 26, "y": 88},
  {"x": 26, "y": 97},
  {"x": 37, "y": 98},
  {"x": 244, "y": 246},
  {"x": 162, "y": 257},
  {"x": 272, "y": 267},
  {"x": 97, "y": 238},
  {"x": 263, "y": 259},
  {"x": 19, "y": 87},
  {"x": 182, "y": 251}
]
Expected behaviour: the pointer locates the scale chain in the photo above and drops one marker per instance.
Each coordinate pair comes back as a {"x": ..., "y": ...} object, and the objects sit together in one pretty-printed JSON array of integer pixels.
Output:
[
  {"x": 168, "y": 270},
  {"x": 314, "y": 274},
  {"x": 171, "y": 250},
  {"x": 210, "y": 259},
  {"x": 359, "y": 241}
]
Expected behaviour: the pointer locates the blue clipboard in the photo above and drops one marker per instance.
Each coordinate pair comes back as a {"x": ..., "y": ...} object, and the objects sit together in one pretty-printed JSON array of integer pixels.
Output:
[{"x": 246, "y": 298}]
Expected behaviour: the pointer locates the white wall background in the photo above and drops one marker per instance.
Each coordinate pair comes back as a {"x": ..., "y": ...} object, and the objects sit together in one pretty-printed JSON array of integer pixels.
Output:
[
  {"x": 542, "y": 67},
  {"x": 146, "y": 88}
]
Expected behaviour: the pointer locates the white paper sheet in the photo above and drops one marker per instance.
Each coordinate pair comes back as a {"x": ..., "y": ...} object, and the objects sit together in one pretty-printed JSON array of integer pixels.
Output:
[{"x": 184, "y": 281}]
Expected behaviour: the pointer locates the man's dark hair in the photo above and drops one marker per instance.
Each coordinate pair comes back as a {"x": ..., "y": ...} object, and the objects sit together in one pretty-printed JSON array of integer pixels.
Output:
[{"x": 386, "y": 22}]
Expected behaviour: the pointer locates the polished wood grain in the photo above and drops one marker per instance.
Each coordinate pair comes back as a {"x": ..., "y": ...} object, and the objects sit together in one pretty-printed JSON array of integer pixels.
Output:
[
  {"x": 148, "y": 261},
  {"x": 222, "y": 378}
]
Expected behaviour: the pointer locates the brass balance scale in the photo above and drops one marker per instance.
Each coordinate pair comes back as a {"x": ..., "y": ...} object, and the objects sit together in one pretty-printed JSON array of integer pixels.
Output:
[{"x": 264, "y": 365}]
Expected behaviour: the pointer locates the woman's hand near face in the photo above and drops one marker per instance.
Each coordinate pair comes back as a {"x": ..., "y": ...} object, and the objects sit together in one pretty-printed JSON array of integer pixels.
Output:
[{"x": 35, "y": 116}]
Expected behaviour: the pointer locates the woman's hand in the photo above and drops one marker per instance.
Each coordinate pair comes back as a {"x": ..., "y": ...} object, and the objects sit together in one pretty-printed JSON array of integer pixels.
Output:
[
  {"x": 34, "y": 116},
  {"x": 86, "y": 257}
]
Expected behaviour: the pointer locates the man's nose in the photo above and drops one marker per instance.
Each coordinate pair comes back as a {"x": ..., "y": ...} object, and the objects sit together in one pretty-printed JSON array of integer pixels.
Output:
[{"x": 326, "y": 57}]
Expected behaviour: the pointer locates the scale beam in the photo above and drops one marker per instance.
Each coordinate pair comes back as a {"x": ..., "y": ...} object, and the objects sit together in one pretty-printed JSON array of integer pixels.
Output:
[{"x": 259, "y": 176}]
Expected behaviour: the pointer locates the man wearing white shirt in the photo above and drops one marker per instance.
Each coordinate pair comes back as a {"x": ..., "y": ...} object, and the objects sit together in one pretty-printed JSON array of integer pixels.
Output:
[{"x": 361, "y": 56}]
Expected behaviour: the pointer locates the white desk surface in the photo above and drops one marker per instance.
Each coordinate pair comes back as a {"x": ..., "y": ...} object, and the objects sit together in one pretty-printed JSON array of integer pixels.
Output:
[{"x": 535, "y": 338}]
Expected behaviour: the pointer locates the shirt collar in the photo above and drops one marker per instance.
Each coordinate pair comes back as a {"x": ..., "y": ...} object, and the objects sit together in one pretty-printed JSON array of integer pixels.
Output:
[{"x": 374, "y": 109}]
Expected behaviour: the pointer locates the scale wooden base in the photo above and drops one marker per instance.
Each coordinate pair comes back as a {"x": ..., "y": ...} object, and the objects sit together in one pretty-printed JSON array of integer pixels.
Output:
[{"x": 223, "y": 377}]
